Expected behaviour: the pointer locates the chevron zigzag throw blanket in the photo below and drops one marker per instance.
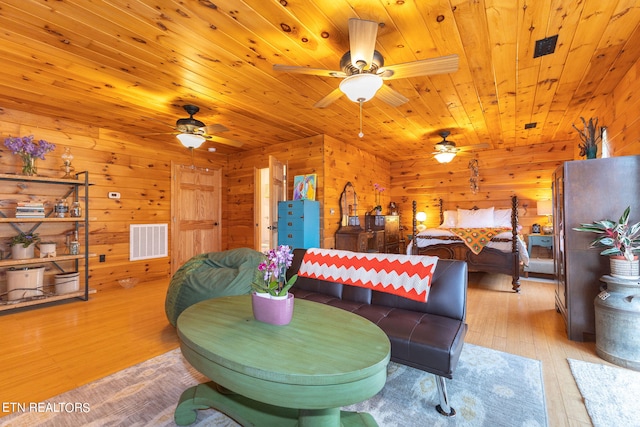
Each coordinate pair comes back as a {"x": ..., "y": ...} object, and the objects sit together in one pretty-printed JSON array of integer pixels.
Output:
[{"x": 408, "y": 276}]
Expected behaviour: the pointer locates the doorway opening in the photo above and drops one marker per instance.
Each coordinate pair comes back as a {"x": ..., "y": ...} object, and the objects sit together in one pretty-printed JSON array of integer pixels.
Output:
[
  {"x": 263, "y": 211},
  {"x": 270, "y": 188}
]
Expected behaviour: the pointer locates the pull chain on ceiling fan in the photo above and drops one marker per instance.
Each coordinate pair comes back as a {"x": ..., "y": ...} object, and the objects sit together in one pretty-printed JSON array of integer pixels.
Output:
[
  {"x": 363, "y": 71},
  {"x": 361, "y": 134}
]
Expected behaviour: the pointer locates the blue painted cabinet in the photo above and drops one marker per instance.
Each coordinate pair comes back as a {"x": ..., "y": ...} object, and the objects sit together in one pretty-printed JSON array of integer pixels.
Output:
[{"x": 299, "y": 223}]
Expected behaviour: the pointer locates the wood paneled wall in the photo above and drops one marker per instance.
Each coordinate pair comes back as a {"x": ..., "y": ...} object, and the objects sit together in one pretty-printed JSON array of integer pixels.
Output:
[
  {"x": 138, "y": 168},
  {"x": 335, "y": 164},
  {"x": 304, "y": 156},
  {"x": 525, "y": 171},
  {"x": 343, "y": 164},
  {"x": 621, "y": 113}
]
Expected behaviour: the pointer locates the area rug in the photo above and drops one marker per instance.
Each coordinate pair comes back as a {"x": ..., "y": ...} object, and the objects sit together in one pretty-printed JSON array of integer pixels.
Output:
[
  {"x": 610, "y": 393},
  {"x": 491, "y": 388}
]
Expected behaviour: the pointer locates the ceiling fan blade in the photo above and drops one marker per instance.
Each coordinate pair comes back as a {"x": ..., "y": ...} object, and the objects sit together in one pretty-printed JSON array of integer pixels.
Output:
[
  {"x": 155, "y": 133},
  {"x": 215, "y": 128},
  {"x": 225, "y": 141},
  {"x": 329, "y": 99},
  {"x": 445, "y": 149},
  {"x": 306, "y": 70},
  {"x": 362, "y": 42},
  {"x": 424, "y": 67},
  {"x": 166, "y": 124},
  {"x": 474, "y": 147},
  {"x": 391, "y": 96}
]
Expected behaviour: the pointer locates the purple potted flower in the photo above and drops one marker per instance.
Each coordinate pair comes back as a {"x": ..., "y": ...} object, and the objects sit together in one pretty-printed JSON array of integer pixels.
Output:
[
  {"x": 273, "y": 270},
  {"x": 29, "y": 150},
  {"x": 271, "y": 301}
]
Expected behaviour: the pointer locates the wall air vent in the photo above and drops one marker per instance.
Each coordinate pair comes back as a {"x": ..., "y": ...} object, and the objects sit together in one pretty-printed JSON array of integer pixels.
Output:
[
  {"x": 530, "y": 125},
  {"x": 148, "y": 241},
  {"x": 545, "y": 46}
]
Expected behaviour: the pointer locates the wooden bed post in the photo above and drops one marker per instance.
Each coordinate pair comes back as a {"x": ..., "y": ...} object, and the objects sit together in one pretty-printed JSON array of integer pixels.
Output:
[
  {"x": 414, "y": 249},
  {"x": 515, "y": 281},
  {"x": 441, "y": 211}
]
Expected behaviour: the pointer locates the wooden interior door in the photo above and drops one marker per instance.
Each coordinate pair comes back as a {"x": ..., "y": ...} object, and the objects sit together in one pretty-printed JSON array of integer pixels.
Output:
[
  {"x": 277, "y": 193},
  {"x": 195, "y": 213}
]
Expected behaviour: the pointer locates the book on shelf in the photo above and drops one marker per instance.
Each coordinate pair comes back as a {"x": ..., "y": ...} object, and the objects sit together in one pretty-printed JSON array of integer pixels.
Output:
[
  {"x": 31, "y": 204},
  {"x": 30, "y": 210}
]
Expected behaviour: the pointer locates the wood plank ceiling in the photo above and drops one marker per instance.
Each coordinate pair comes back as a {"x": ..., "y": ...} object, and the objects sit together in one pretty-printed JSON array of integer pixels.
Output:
[{"x": 130, "y": 65}]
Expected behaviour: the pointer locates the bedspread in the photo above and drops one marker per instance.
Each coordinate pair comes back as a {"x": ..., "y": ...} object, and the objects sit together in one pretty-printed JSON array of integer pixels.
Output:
[{"x": 443, "y": 232}]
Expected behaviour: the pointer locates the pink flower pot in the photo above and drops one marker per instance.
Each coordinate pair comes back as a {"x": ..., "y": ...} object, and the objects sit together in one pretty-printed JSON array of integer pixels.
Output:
[{"x": 272, "y": 311}]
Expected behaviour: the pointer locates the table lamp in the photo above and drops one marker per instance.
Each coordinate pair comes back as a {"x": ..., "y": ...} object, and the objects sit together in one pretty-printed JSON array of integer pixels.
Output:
[
  {"x": 421, "y": 217},
  {"x": 545, "y": 208}
]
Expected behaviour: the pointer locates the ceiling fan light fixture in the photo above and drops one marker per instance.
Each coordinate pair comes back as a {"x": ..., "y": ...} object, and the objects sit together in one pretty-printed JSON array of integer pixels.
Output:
[
  {"x": 445, "y": 156},
  {"x": 361, "y": 87},
  {"x": 190, "y": 140}
]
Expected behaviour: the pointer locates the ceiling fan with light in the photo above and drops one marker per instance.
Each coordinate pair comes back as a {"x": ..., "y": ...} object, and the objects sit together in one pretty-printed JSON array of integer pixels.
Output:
[
  {"x": 191, "y": 132},
  {"x": 363, "y": 72},
  {"x": 446, "y": 151}
]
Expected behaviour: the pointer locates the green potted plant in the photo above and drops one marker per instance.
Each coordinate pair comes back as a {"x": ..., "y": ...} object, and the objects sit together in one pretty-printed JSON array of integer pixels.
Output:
[
  {"x": 620, "y": 240},
  {"x": 589, "y": 137},
  {"x": 23, "y": 244}
]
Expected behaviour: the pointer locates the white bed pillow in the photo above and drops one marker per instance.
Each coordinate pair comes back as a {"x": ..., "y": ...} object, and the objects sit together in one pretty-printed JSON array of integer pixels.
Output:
[
  {"x": 450, "y": 219},
  {"x": 478, "y": 218},
  {"x": 502, "y": 218}
]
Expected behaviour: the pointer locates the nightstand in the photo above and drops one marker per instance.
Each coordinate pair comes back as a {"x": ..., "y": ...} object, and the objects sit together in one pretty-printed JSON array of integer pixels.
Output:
[
  {"x": 540, "y": 248},
  {"x": 543, "y": 240}
]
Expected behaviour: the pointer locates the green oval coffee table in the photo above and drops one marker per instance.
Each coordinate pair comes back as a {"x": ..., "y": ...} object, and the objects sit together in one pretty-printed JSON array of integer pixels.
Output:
[{"x": 299, "y": 374}]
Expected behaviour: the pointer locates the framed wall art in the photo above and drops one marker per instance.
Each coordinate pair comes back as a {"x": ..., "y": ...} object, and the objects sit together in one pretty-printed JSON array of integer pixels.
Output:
[{"x": 304, "y": 187}]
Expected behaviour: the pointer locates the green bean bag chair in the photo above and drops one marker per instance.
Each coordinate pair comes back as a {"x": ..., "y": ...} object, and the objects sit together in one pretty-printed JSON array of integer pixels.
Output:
[{"x": 211, "y": 275}]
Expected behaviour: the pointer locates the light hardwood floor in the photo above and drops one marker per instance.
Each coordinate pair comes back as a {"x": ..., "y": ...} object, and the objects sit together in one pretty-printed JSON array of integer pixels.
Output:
[{"x": 47, "y": 351}]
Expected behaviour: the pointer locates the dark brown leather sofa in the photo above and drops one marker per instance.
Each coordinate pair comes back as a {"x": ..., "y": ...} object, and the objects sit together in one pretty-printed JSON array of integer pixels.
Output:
[{"x": 427, "y": 336}]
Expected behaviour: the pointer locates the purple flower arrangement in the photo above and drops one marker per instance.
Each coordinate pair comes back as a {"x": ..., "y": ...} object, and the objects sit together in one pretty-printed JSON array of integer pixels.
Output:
[
  {"x": 273, "y": 269},
  {"x": 27, "y": 146},
  {"x": 24, "y": 239},
  {"x": 378, "y": 191},
  {"x": 28, "y": 150}
]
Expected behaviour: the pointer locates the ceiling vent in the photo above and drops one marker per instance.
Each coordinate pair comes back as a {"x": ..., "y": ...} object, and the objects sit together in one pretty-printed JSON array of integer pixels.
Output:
[
  {"x": 545, "y": 46},
  {"x": 530, "y": 125}
]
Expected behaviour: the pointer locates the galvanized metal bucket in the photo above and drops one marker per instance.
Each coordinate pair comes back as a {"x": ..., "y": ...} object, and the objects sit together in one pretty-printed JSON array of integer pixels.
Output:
[{"x": 617, "y": 310}]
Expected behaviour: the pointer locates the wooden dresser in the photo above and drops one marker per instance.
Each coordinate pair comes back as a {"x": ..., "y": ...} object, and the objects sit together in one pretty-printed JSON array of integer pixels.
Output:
[
  {"x": 392, "y": 234},
  {"x": 381, "y": 233}
]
